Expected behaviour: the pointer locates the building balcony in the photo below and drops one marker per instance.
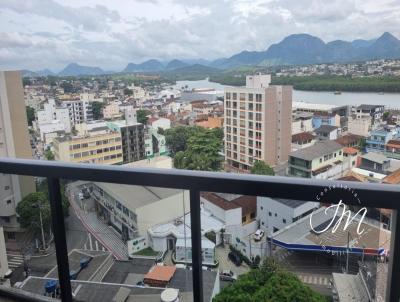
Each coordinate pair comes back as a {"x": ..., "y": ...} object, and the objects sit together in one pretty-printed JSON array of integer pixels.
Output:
[{"x": 370, "y": 195}]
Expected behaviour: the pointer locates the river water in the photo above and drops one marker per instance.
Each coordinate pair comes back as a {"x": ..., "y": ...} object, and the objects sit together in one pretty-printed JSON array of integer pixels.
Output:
[{"x": 323, "y": 97}]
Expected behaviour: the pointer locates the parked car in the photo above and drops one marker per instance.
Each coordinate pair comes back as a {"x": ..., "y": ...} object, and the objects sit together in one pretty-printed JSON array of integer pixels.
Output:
[
  {"x": 235, "y": 258},
  {"x": 258, "y": 235},
  {"x": 227, "y": 276}
]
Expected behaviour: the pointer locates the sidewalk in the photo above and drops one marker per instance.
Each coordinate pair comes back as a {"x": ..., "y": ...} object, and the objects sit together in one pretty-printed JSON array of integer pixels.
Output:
[{"x": 98, "y": 228}]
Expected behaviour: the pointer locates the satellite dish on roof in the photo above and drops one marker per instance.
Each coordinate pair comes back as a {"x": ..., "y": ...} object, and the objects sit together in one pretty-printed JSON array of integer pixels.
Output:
[{"x": 170, "y": 295}]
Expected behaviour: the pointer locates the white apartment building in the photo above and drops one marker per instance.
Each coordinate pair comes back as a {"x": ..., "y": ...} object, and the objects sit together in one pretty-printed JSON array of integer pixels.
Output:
[
  {"x": 4, "y": 270},
  {"x": 52, "y": 119},
  {"x": 14, "y": 142},
  {"x": 275, "y": 214},
  {"x": 132, "y": 210},
  {"x": 80, "y": 111},
  {"x": 258, "y": 121}
]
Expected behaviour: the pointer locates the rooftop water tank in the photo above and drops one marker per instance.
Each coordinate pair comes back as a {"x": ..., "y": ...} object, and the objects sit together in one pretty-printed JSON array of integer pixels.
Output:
[{"x": 170, "y": 295}]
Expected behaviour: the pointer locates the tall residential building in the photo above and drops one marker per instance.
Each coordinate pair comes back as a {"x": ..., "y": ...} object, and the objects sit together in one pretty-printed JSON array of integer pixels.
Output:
[
  {"x": 14, "y": 142},
  {"x": 258, "y": 121},
  {"x": 80, "y": 111},
  {"x": 132, "y": 134}
]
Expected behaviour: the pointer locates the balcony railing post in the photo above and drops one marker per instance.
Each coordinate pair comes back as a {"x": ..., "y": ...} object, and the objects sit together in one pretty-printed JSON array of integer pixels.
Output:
[
  {"x": 57, "y": 219},
  {"x": 393, "y": 286},
  {"x": 195, "y": 224}
]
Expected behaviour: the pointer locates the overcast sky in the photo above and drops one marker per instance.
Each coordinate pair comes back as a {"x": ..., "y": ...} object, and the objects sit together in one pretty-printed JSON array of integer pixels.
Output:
[{"x": 38, "y": 34}]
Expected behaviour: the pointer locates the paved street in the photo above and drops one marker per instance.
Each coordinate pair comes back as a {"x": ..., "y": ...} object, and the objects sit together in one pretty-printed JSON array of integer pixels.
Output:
[{"x": 100, "y": 232}]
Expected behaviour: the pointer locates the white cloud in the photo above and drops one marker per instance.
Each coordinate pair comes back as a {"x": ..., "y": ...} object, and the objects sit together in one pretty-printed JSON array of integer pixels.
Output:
[{"x": 51, "y": 33}]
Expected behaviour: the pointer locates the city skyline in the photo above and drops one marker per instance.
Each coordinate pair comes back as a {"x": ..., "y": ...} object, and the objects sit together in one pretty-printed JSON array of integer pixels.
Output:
[{"x": 52, "y": 34}]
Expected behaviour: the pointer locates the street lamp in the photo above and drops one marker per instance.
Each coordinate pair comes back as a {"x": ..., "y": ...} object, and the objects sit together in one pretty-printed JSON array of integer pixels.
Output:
[{"x": 41, "y": 223}]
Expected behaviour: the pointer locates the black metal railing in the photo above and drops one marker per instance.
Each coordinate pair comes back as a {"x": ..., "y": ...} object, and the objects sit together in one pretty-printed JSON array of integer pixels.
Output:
[{"x": 371, "y": 195}]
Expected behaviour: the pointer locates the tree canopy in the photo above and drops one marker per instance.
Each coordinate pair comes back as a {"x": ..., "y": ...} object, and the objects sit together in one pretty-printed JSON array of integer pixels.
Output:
[
  {"x": 142, "y": 116},
  {"x": 28, "y": 211},
  {"x": 270, "y": 283},
  {"x": 28, "y": 208},
  {"x": 195, "y": 148},
  {"x": 261, "y": 168},
  {"x": 30, "y": 115},
  {"x": 128, "y": 92},
  {"x": 97, "y": 108}
]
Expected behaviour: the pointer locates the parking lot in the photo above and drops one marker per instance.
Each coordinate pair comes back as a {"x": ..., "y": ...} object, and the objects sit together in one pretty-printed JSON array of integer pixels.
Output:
[{"x": 221, "y": 254}]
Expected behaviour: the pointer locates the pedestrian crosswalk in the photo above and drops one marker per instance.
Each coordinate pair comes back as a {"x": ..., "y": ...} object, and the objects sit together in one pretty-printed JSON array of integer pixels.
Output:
[
  {"x": 314, "y": 279},
  {"x": 15, "y": 260},
  {"x": 282, "y": 254},
  {"x": 92, "y": 244},
  {"x": 101, "y": 235}
]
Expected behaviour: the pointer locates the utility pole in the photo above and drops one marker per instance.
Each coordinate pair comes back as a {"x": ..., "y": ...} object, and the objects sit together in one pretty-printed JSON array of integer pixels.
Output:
[{"x": 41, "y": 226}]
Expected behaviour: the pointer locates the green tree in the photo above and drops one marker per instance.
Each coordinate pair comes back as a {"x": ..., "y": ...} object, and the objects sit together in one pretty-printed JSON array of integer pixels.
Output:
[
  {"x": 176, "y": 138},
  {"x": 97, "y": 108},
  {"x": 28, "y": 211},
  {"x": 386, "y": 115},
  {"x": 26, "y": 81},
  {"x": 142, "y": 116},
  {"x": 203, "y": 151},
  {"x": 268, "y": 283},
  {"x": 49, "y": 155},
  {"x": 30, "y": 115},
  {"x": 261, "y": 168},
  {"x": 128, "y": 92}
]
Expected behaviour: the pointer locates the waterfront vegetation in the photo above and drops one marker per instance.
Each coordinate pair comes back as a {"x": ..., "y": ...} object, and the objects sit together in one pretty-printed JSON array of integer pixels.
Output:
[
  {"x": 322, "y": 83},
  {"x": 341, "y": 83}
]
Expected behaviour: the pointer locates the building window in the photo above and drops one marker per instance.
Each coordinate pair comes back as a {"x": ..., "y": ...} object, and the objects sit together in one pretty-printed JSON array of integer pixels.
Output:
[
  {"x": 9, "y": 201},
  {"x": 253, "y": 215},
  {"x": 7, "y": 188},
  {"x": 284, "y": 220},
  {"x": 250, "y": 97},
  {"x": 234, "y": 96},
  {"x": 243, "y": 219},
  {"x": 262, "y": 208},
  {"x": 269, "y": 213},
  {"x": 228, "y": 95},
  {"x": 276, "y": 215},
  {"x": 11, "y": 235}
]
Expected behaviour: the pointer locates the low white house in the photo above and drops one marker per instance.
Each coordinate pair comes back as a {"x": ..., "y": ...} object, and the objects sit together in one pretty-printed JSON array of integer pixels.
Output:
[
  {"x": 275, "y": 214},
  {"x": 237, "y": 212},
  {"x": 171, "y": 236},
  {"x": 184, "y": 251}
]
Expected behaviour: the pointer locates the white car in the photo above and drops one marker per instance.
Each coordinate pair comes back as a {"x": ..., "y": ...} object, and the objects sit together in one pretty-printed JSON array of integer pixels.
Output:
[
  {"x": 258, "y": 235},
  {"x": 227, "y": 276}
]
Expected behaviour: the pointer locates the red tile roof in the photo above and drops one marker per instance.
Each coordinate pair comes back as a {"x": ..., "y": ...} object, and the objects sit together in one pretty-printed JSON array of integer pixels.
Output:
[
  {"x": 247, "y": 203},
  {"x": 393, "y": 178},
  {"x": 160, "y": 274},
  {"x": 349, "y": 139},
  {"x": 302, "y": 137},
  {"x": 350, "y": 150}
]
